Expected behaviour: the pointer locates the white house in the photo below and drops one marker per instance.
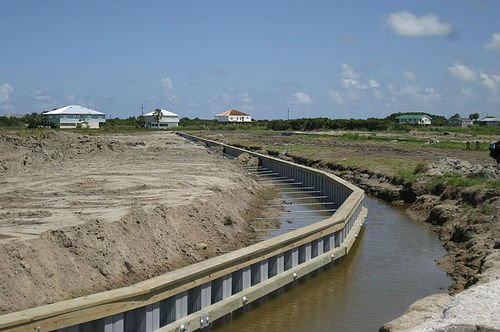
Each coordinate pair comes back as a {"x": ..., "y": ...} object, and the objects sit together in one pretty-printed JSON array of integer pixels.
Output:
[
  {"x": 489, "y": 121},
  {"x": 414, "y": 119},
  {"x": 165, "y": 119},
  {"x": 460, "y": 122},
  {"x": 233, "y": 116},
  {"x": 75, "y": 116}
]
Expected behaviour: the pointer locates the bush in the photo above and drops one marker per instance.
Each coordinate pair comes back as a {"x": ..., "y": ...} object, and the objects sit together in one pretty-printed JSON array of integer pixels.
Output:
[
  {"x": 420, "y": 168},
  {"x": 227, "y": 221}
]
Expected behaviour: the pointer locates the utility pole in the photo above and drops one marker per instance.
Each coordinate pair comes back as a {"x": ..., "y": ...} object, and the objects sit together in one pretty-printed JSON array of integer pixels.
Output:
[
  {"x": 288, "y": 118},
  {"x": 142, "y": 109}
]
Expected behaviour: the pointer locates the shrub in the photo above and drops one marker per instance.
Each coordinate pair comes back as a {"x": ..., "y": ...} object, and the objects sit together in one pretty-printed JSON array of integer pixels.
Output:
[
  {"x": 227, "y": 221},
  {"x": 420, "y": 168}
]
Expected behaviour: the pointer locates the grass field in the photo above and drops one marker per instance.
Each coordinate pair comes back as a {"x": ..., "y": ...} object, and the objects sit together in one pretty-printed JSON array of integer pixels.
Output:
[{"x": 402, "y": 155}]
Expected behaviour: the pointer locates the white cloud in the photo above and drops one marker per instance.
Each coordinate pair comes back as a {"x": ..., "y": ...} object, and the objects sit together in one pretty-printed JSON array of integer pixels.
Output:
[
  {"x": 462, "y": 72},
  {"x": 5, "y": 92},
  {"x": 240, "y": 100},
  {"x": 415, "y": 92},
  {"x": 350, "y": 79},
  {"x": 41, "y": 95},
  {"x": 244, "y": 97},
  {"x": 348, "y": 72},
  {"x": 354, "y": 90},
  {"x": 372, "y": 84},
  {"x": 408, "y": 89},
  {"x": 43, "y": 100},
  {"x": 337, "y": 97},
  {"x": 167, "y": 83},
  {"x": 494, "y": 44},
  {"x": 467, "y": 93},
  {"x": 409, "y": 75},
  {"x": 490, "y": 81},
  {"x": 406, "y": 24},
  {"x": 168, "y": 86},
  {"x": 430, "y": 95},
  {"x": 172, "y": 99},
  {"x": 348, "y": 82},
  {"x": 302, "y": 98}
]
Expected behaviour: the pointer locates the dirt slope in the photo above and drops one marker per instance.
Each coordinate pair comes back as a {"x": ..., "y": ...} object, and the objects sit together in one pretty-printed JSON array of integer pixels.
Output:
[{"x": 81, "y": 214}]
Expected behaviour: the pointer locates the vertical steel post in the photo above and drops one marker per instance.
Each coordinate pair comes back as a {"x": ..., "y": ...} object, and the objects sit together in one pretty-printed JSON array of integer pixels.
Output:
[
  {"x": 246, "y": 277},
  {"x": 114, "y": 323},
  {"x": 206, "y": 295},
  {"x": 280, "y": 263},
  {"x": 319, "y": 247},
  {"x": 181, "y": 305},
  {"x": 152, "y": 317},
  {"x": 295, "y": 257},
  {"x": 264, "y": 270},
  {"x": 308, "y": 252}
]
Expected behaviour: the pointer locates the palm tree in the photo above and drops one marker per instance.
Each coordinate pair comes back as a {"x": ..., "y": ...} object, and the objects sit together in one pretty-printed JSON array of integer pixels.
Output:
[{"x": 157, "y": 115}]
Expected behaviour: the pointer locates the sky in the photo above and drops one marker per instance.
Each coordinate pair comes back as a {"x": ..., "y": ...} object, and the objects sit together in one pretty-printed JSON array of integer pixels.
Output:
[{"x": 271, "y": 59}]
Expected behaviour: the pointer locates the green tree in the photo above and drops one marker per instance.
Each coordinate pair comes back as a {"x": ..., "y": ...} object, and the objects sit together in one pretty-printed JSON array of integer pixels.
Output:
[
  {"x": 11, "y": 121},
  {"x": 455, "y": 116},
  {"x": 474, "y": 116},
  {"x": 34, "y": 120},
  {"x": 140, "y": 121},
  {"x": 157, "y": 115}
]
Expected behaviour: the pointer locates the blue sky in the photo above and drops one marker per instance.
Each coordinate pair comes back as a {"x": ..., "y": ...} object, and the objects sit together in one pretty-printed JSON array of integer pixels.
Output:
[{"x": 337, "y": 59}]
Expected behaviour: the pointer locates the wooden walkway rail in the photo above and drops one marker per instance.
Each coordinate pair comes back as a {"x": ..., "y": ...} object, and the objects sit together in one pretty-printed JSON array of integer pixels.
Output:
[{"x": 192, "y": 297}]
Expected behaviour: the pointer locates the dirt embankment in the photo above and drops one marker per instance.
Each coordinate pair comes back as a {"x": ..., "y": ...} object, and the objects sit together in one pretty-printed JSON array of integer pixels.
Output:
[
  {"x": 82, "y": 214},
  {"x": 466, "y": 218},
  {"x": 446, "y": 193}
]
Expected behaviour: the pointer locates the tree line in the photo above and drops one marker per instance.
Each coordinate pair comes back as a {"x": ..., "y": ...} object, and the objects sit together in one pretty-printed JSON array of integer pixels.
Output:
[{"x": 35, "y": 120}]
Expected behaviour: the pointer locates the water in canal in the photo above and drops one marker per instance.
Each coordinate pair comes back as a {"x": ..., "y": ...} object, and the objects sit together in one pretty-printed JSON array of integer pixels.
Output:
[{"x": 391, "y": 265}]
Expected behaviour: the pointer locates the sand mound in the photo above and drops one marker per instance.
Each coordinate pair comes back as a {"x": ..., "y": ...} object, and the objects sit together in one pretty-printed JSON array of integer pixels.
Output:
[{"x": 88, "y": 214}]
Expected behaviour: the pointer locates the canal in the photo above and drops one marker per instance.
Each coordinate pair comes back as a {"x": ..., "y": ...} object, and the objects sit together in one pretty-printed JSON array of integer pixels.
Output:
[{"x": 391, "y": 265}]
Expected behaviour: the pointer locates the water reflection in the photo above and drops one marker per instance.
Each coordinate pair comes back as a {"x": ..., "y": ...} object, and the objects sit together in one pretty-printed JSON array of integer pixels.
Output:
[{"x": 391, "y": 266}]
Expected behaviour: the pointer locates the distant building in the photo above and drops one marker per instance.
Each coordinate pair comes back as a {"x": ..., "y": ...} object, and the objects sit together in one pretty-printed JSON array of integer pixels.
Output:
[
  {"x": 489, "y": 121},
  {"x": 460, "y": 122},
  {"x": 75, "y": 116},
  {"x": 166, "y": 120},
  {"x": 233, "y": 116},
  {"x": 414, "y": 119}
]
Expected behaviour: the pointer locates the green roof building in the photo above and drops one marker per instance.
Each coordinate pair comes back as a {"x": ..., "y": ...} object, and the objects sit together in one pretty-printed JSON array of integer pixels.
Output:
[{"x": 414, "y": 119}]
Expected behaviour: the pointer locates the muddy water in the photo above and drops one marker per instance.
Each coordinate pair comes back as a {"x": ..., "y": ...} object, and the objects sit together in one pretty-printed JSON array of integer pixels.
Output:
[{"x": 391, "y": 266}]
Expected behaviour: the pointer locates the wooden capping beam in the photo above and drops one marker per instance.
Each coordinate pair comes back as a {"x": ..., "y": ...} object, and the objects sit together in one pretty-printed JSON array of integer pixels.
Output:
[
  {"x": 95, "y": 306},
  {"x": 234, "y": 302}
]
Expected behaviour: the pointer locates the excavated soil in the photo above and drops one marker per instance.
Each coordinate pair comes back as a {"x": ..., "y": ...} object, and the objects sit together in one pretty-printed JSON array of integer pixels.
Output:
[
  {"x": 81, "y": 214},
  {"x": 467, "y": 219}
]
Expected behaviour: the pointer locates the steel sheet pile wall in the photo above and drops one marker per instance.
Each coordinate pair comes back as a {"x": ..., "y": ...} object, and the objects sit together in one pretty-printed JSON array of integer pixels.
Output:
[{"x": 192, "y": 297}]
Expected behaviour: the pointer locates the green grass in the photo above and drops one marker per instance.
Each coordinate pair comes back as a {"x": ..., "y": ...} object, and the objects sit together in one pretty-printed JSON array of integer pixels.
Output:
[
  {"x": 487, "y": 209},
  {"x": 474, "y": 130},
  {"x": 460, "y": 181},
  {"x": 411, "y": 142},
  {"x": 412, "y": 171},
  {"x": 390, "y": 139}
]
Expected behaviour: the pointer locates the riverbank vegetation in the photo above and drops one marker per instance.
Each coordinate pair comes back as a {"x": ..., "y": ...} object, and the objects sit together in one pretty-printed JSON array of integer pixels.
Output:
[{"x": 444, "y": 181}]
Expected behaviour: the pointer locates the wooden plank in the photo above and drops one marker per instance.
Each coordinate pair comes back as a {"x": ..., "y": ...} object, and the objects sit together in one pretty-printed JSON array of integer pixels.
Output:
[
  {"x": 253, "y": 293},
  {"x": 105, "y": 304},
  {"x": 95, "y": 306}
]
